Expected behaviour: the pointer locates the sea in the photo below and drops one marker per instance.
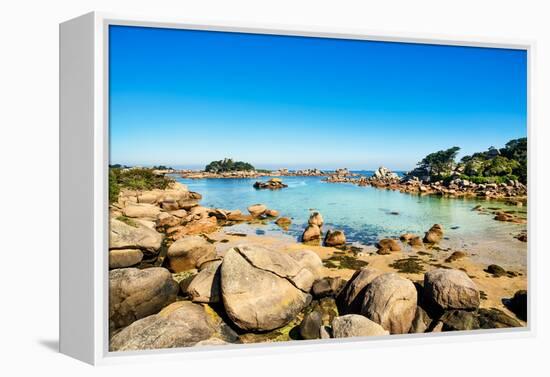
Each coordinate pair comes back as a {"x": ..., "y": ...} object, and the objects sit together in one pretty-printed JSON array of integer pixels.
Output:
[{"x": 365, "y": 214}]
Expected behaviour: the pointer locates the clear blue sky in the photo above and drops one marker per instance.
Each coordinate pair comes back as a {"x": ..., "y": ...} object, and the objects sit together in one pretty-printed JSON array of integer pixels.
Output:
[{"x": 185, "y": 98}]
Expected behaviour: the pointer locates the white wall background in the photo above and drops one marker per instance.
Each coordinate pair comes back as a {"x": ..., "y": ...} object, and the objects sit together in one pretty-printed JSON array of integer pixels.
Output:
[{"x": 29, "y": 180}]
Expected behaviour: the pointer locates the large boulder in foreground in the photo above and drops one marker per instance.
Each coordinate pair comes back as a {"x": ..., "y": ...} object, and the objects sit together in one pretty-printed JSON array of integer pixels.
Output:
[
  {"x": 356, "y": 325},
  {"x": 180, "y": 324},
  {"x": 189, "y": 252},
  {"x": 263, "y": 289},
  {"x": 350, "y": 298},
  {"x": 310, "y": 261},
  {"x": 205, "y": 286},
  {"x": 133, "y": 235},
  {"x": 135, "y": 294},
  {"x": 446, "y": 289},
  {"x": 390, "y": 300}
]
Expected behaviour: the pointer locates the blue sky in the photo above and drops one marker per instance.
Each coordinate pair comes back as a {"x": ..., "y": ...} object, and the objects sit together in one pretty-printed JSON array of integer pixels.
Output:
[{"x": 185, "y": 98}]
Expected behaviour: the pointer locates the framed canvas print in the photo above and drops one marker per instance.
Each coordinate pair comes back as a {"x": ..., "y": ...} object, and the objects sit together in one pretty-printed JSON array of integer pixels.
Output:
[{"x": 228, "y": 189}]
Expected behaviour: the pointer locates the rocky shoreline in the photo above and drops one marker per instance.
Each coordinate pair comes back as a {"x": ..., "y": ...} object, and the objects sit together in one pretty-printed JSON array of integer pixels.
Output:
[
  {"x": 243, "y": 174},
  {"x": 385, "y": 179},
  {"x": 179, "y": 278}
]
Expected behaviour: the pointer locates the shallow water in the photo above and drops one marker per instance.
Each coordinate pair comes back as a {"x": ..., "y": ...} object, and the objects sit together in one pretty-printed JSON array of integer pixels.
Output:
[{"x": 367, "y": 214}]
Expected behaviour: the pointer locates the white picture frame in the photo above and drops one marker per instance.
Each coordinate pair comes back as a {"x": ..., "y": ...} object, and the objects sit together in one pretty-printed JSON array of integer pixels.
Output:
[{"x": 84, "y": 158}]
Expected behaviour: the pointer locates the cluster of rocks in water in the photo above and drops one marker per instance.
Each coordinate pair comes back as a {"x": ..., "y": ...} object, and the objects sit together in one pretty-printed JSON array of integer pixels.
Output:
[
  {"x": 183, "y": 293},
  {"x": 384, "y": 178},
  {"x": 432, "y": 236},
  {"x": 300, "y": 173},
  {"x": 272, "y": 184},
  {"x": 194, "y": 174}
]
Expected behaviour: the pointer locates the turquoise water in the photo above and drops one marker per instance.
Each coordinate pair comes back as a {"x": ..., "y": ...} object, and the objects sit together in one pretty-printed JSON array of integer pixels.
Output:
[{"x": 365, "y": 214}]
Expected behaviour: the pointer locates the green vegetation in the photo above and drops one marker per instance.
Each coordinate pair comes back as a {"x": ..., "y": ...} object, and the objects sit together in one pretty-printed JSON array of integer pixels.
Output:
[
  {"x": 134, "y": 179},
  {"x": 344, "y": 262},
  {"x": 440, "y": 163},
  {"x": 492, "y": 166},
  {"x": 411, "y": 265},
  {"x": 227, "y": 165},
  {"x": 162, "y": 167},
  {"x": 498, "y": 165},
  {"x": 128, "y": 221}
]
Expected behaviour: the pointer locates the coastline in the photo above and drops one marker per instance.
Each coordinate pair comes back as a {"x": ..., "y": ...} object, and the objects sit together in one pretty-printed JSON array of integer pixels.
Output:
[
  {"x": 167, "y": 233},
  {"x": 383, "y": 178}
]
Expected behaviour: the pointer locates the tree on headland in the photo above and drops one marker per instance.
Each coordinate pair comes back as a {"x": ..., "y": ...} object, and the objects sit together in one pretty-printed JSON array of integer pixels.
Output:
[
  {"x": 517, "y": 150},
  {"x": 495, "y": 164},
  {"x": 437, "y": 165},
  {"x": 491, "y": 166},
  {"x": 227, "y": 165}
]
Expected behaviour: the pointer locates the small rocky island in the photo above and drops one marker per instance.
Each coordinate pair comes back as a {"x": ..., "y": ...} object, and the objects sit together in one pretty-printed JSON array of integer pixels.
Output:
[{"x": 272, "y": 184}]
